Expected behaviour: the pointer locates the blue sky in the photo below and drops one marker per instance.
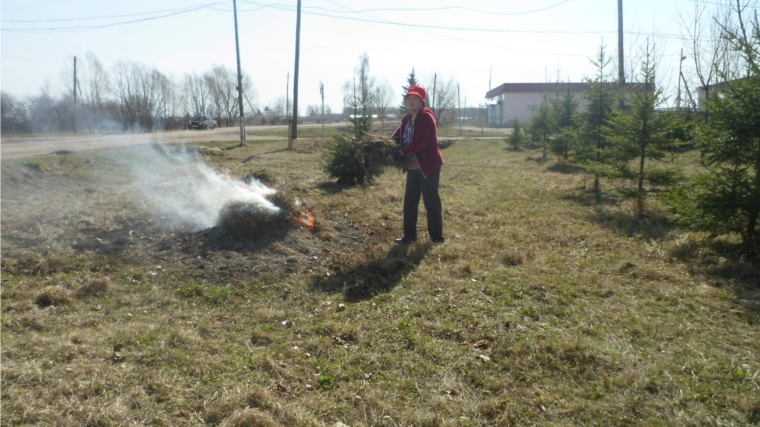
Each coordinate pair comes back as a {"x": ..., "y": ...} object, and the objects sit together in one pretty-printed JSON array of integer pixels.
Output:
[{"x": 521, "y": 41}]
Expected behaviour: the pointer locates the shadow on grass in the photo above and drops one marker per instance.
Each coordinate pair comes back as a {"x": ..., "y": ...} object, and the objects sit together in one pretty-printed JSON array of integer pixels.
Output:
[
  {"x": 587, "y": 198},
  {"x": 364, "y": 281},
  {"x": 279, "y": 150},
  {"x": 562, "y": 167},
  {"x": 725, "y": 261},
  {"x": 539, "y": 160},
  {"x": 446, "y": 143},
  {"x": 331, "y": 187},
  {"x": 651, "y": 226}
]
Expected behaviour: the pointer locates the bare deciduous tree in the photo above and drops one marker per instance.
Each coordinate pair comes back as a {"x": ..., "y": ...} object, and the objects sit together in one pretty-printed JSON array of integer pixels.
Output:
[
  {"x": 43, "y": 113},
  {"x": 137, "y": 90},
  {"x": 94, "y": 86},
  {"x": 442, "y": 97},
  {"x": 707, "y": 50},
  {"x": 384, "y": 97},
  {"x": 197, "y": 94},
  {"x": 222, "y": 89},
  {"x": 14, "y": 115},
  {"x": 359, "y": 97}
]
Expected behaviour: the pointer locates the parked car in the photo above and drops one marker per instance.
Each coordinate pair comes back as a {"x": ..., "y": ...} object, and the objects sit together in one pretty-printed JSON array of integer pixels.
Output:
[{"x": 202, "y": 122}]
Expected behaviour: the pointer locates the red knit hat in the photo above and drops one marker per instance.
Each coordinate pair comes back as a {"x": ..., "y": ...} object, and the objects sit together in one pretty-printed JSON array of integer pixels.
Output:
[{"x": 416, "y": 90}]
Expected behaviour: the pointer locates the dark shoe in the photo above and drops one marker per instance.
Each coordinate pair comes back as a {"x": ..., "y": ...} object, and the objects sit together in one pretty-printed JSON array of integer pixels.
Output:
[
  {"x": 405, "y": 240},
  {"x": 438, "y": 240}
]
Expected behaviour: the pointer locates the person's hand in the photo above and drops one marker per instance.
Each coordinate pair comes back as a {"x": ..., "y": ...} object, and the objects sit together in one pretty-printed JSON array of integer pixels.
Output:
[{"x": 397, "y": 155}]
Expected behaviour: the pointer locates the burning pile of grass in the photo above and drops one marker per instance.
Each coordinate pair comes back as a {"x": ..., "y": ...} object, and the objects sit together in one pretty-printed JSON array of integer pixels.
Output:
[
  {"x": 377, "y": 152},
  {"x": 246, "y": 219}
]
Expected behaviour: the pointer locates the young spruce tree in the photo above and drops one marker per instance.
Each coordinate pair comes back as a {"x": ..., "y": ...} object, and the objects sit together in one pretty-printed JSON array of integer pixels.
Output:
[
  {"x": 340, "y": 160},
  {"x": 539, "y": 126},
  {"x": 592, "y": 142},
  {"x": 516, "y": 138},
  {"x": 564, "y": 109},
  {"x": 411, "y": 80},
  {"x": 726, "y": 198},
  {"x": 639, "y": 135}
]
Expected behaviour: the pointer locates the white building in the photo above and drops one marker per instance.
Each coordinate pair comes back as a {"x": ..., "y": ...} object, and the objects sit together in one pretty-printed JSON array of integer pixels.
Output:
[{"x": 518, "y": 101}]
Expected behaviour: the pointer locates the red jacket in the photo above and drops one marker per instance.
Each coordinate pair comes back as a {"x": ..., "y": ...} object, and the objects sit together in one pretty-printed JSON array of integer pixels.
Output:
[{"x": 424, "y": 141}]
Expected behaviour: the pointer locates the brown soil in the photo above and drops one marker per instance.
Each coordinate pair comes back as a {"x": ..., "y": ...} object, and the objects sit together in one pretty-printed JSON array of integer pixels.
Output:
[{"x": 52, "y": 223}]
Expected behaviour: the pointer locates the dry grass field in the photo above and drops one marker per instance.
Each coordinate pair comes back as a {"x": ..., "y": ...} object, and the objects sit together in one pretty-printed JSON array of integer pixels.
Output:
[{"x": 541, "y": 308}]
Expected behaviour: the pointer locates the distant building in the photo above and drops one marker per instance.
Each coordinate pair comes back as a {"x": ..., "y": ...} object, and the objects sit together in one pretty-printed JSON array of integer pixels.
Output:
[
  {"x": 518, "y": 101},
  {"x": 702, "y": 93}
]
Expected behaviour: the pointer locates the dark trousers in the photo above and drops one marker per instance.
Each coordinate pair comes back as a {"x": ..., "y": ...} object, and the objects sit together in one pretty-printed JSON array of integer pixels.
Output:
[{"x": 417, "y": 185}]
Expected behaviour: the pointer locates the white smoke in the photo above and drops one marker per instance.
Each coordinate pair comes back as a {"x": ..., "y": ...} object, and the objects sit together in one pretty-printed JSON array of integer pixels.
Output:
[{"x": 186, "y": 191}]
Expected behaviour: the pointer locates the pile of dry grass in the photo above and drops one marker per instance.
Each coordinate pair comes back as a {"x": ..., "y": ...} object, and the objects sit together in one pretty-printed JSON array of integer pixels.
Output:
[
  {"x": 245, "y": 219},
  {"x": 376, "y": 151}
]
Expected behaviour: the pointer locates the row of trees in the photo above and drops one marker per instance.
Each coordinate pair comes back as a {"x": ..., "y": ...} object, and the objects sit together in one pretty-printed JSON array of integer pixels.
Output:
[
  {"x": 629, "y": 145},
  {"x": 129, "y": 97}
]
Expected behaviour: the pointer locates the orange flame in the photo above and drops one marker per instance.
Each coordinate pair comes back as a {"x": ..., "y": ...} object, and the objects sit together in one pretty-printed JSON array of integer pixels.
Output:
[{"x": 305, "y": 216}]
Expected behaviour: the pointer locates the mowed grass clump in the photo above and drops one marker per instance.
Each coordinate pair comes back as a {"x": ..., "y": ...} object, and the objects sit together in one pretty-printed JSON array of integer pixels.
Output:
[{"x": 541, "y": 308}]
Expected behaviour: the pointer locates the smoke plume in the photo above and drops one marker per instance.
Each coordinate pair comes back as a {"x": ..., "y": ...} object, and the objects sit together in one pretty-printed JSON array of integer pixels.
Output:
[{"x": 186, "y": 191}]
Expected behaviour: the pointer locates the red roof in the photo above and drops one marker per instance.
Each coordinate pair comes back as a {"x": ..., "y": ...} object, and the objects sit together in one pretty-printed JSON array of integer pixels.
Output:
[{"x": 549, "y": 88}]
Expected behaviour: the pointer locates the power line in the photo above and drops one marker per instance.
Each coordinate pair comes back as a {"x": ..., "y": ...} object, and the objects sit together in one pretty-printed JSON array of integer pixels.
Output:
[
  {"x": 432, "y": 9},
  {"x": 384, "y": 21},
  {"x": 458, "y": 39},
  {"x": 375, "y": 20},
  {"x": 34, "y": 60},
  {"x": 94, "y": 27},
  {"x": 105, "y": 16}
]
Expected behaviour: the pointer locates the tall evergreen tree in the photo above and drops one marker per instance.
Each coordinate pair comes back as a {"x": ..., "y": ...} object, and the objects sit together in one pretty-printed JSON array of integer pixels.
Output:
[{"x": 411, "y": 80}]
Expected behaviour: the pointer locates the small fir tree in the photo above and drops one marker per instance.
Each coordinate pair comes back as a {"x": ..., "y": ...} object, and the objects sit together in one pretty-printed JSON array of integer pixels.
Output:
[
  {"x": 726, "y": 198},
  {"x": 640, "y": 135},
  {"x": 592, "y": 143},
  {"x": 564, "y": 110},
  {"x": 539, "y": 126},
  {"x": 411, "y": 80},
  {"x": 516, "y": 138},
  {"x": 340, "y": 161}
]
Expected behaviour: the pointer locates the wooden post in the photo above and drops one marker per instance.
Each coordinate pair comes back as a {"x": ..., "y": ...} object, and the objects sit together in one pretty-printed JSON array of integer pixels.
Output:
[{"x": 294, "y": 130}]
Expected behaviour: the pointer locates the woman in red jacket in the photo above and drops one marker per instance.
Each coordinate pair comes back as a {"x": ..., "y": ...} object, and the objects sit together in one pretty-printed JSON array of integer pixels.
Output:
[{"x": 418, "y": 137}]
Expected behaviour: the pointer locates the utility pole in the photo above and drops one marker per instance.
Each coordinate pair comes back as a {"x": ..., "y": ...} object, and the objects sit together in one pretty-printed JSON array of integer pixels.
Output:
[
  {"x": 322, "y": 92},
  {"x": 239, "y": 78},
  {"x": 482, "y": 120},
  {"x": 294, "y": 132},
  {"x": 459, "y": 101},
  {"x": 621, "y": 66},
  {"x": 490, "y": 73},
  {"x": 287, "y": 104},
  {"x": 680, "y": 64},
  {"x": 74, "y": 123},
  {"x": 435, "y": 77}
]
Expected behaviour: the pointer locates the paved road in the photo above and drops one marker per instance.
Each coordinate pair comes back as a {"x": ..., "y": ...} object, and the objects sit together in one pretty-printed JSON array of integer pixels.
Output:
[{"x": 25, "y": 146}]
